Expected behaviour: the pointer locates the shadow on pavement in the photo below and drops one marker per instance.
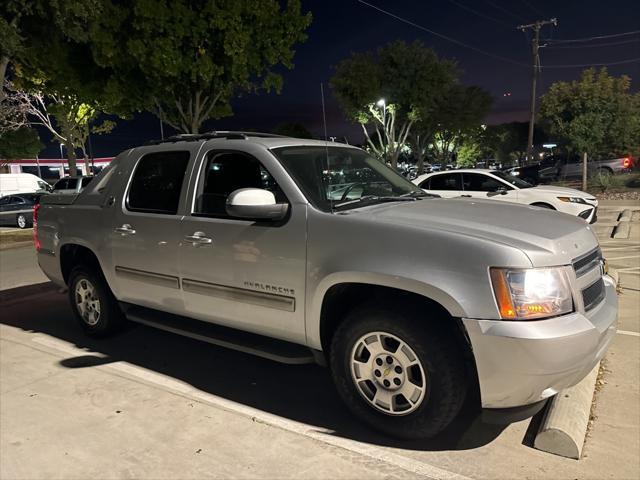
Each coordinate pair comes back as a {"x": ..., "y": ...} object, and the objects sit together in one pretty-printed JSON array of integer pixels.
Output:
[{"x": 302, "y": 393}]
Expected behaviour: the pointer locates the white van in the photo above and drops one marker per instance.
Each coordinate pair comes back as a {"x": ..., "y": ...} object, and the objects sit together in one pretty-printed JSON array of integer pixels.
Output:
[{"x": 14, "y": 183}]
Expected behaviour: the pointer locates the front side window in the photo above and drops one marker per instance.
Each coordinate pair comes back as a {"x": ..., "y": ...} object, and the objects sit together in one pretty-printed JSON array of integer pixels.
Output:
[
  {"x": 448, "y": 181},
  {"x": 226, "y": 172},
  {"x": 342, "y": 178},
  {"x": 86, "y": 181},
  {"x": 513, "y": 180},
  {"x": 157, "y": 183}
]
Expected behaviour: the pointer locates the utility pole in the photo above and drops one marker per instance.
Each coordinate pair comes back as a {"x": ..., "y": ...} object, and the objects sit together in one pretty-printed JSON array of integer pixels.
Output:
[{"x": 535, "y": 46}]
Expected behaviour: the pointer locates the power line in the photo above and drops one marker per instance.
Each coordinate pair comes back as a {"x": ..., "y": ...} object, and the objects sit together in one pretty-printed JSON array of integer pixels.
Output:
[
  {"x": 601, "y": 37},
  {"x": 444, "y": 37},
  {"x": 610, "y": 44},
  {"x": 585, "y": 65},
  {"x": 480, "y": 14},
  {"x": 489, "y": 54},
  {"x": 502, "y": 9}
]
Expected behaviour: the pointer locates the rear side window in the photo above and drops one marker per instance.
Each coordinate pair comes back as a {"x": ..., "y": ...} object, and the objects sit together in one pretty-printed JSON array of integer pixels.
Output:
[
  {"x": 448, "y": 181},
  {"x": 157, "y": 182}
]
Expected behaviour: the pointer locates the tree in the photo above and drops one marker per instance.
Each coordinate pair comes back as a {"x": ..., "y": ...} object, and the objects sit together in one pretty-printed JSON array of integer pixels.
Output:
[
  {"x": 55, "y": 83},
  {"x": 21, "y": 143},
  {"x": 64, "y": 116},
  {"x": 295, "y": 130},
  {"x": 389, "y": 90},
  {"x": 596, "y": 114},
  {"x": 185, "y": 60},
  {"x": 468, "y": 153},
  {"x": 459, "y": 113}
]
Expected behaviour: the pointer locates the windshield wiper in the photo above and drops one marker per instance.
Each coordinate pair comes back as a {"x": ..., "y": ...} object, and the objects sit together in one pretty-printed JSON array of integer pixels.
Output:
[{"x": 377, "y": 199}]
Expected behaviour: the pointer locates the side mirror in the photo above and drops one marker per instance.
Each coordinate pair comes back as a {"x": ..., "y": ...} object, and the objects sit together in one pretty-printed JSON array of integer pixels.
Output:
[
  {"x": 255, "y": 204},
  {"x": 500, "y": 191}
]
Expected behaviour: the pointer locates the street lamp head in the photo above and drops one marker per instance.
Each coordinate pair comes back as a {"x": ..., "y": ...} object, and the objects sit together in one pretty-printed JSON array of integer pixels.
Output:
[{"x": 381, "y": 102}]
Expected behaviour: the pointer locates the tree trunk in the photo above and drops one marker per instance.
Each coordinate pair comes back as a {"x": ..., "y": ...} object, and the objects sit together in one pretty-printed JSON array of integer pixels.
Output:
[
  {"x": 584, "y": 171},
  {"x": 420, "y": 163},
  {"x": 71, "y": 158}
]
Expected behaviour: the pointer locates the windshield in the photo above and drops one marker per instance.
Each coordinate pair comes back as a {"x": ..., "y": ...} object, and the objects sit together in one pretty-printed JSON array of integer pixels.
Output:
[
  {"x": 339, "y": 178},
  {"x": 511, "y": 179}
]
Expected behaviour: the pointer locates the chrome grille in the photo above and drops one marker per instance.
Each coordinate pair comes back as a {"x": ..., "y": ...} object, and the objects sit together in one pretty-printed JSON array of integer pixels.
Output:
[
  {"x": 593, "y": 294},
  {"x": 585, "y": 263}
]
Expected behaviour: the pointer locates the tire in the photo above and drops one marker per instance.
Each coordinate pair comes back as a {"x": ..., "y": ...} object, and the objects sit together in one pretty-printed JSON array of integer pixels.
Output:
[
  {"x": 99, "y": 314},
  {"x": 543, "y": 205},
  {"x": 22, "y": 221},
  {"x": 439, "y": 358},
  {"x": 604, "y": 171}
]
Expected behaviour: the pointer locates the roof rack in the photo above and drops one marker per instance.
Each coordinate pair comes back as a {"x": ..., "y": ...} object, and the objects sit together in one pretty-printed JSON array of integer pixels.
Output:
[{"x": 196, "y": 137}]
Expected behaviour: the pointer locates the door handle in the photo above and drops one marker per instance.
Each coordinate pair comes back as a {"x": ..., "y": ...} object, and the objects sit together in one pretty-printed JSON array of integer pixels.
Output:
[
  {"x": 198, "y": 238},
  {"x": 466, "y": 196},
  {"x": 125, "y": 230}
]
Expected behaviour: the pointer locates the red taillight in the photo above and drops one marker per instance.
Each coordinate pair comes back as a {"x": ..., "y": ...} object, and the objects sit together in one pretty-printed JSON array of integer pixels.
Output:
[
  {"x": 36, "y": 241},
  {"x": 626, "y": 162}
]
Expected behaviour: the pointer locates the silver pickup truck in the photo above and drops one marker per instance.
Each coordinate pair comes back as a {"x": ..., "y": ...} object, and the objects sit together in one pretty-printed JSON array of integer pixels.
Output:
[{"x": 303, "y": 251}]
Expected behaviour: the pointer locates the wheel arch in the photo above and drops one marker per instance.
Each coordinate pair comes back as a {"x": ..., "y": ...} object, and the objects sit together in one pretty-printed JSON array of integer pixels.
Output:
[
  {"x": 74, "y": 254},
  {"x": 341, "y": 297}
]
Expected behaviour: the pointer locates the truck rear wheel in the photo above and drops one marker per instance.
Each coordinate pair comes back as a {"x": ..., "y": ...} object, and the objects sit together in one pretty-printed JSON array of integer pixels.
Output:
[
  {"x": 93, "y": 304},
  {"x": 398, "y": 373}
]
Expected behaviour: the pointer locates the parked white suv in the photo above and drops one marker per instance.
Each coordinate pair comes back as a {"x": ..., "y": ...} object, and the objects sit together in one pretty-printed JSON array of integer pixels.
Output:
[{"x": 498, "y": 185}]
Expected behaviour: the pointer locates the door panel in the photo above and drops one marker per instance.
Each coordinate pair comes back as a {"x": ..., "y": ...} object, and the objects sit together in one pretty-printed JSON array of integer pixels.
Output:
[
  {"x": 145, "y": 231},
  {"x": 251, "y": 274},
  {"x": 447, "y": 185}
]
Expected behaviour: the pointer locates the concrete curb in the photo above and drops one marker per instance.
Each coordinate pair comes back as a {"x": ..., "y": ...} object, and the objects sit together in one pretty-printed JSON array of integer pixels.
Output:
[
  {"x": 621, "y": 230},
  {"x": 563, "y": 429},
  {"x": 625, "y": 216}
]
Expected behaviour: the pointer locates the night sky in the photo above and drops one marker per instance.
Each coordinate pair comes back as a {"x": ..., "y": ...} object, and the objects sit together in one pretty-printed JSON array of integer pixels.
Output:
[{"x": 343, "y": 26}]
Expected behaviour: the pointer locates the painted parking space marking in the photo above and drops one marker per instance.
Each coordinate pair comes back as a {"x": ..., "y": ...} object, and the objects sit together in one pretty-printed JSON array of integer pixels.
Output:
[{"x": 627, "y": 332}]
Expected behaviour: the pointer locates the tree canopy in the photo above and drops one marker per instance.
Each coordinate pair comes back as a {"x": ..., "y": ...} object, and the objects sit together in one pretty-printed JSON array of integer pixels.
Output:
[
  {"x": 391, "y": 89},
  {"x": 596, "y": 114}
]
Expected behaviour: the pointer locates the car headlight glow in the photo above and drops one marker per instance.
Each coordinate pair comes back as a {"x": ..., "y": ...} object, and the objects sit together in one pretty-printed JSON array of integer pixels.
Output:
[
  {"x": 572, "y": 200},
  {"x": 533, "y": 293}
]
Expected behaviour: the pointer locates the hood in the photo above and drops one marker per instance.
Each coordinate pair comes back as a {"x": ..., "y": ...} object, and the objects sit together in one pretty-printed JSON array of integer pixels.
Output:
[
  {"x": 562, "y": 191},
  {"x": 536, "y": 231}
]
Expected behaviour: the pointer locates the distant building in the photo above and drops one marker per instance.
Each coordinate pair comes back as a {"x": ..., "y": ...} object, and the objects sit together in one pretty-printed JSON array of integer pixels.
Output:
[{"x": 51, "y": 169}]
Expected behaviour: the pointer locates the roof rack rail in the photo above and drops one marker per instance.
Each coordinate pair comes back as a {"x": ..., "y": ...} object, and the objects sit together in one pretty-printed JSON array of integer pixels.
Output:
[{"x": 196, "y": 137}]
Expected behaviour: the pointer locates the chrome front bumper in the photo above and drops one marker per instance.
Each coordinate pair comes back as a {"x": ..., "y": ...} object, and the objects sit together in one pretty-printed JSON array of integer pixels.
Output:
[{"x": 520, "y": 363}]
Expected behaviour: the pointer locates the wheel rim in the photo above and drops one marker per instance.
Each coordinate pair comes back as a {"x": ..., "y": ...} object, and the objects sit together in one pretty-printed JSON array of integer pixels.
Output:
[
  {"x": 22, "y": 221},
  {"x": 387, "y": 373},
  {"x": 87, "y": 302}
]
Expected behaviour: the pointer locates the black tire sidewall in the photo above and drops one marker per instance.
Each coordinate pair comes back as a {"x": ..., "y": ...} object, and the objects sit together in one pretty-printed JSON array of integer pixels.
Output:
[
  {"x": 441, "y": 361},
  {"x": 110, "y": 315}
]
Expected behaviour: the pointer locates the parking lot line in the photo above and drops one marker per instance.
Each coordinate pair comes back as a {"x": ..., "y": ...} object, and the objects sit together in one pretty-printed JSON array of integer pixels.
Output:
[
  {"x": 627, "y": 332},
  {"x": 317, "y": 433}
]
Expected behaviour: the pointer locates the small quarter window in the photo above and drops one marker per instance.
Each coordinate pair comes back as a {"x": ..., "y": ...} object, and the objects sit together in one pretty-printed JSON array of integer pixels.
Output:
[{"x": 157, "y": 183}]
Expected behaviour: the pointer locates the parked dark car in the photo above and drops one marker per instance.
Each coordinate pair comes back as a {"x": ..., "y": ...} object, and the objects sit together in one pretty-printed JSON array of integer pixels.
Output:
[
  {"x": 562, "y": 167},
  {"x": 18, "y": 209}
]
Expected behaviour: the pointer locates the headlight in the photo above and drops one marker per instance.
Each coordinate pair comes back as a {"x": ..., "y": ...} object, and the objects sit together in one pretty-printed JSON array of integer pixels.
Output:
[
  {"x": 572, "y": 200},
  {"x": 528, "y": 294}
]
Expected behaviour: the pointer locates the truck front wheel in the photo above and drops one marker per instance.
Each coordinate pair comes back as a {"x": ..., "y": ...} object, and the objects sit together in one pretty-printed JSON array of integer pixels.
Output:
[
  {"x": 93, "y": 304},
  {"x": 397, "y": 372}
]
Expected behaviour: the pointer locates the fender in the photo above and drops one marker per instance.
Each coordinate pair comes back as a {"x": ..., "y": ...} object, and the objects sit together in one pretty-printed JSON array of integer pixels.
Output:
[{"x": 315, "y": 299}]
